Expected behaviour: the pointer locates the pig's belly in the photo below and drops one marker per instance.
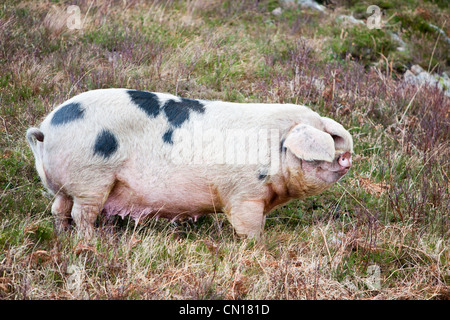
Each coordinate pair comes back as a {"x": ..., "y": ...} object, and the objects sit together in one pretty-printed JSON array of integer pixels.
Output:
[{"x": 140, "y": 199}]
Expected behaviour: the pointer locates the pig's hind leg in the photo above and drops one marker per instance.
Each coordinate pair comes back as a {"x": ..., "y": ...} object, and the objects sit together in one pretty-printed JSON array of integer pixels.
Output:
[
  {"x": 61, "y": 209},
  {"x": 85, "y": 211}
]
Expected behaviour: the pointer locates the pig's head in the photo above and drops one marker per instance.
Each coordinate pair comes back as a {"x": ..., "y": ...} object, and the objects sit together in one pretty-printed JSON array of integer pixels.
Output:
[{"x": 317, "y": 158}]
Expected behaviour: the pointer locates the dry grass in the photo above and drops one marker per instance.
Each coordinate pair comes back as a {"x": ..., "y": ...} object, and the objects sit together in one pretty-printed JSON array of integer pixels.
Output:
[{"x": 156, "y": 262}]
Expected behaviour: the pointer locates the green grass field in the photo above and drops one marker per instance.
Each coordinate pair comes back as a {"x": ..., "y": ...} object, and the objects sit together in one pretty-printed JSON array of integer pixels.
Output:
[{"x": 382, "y": 232}]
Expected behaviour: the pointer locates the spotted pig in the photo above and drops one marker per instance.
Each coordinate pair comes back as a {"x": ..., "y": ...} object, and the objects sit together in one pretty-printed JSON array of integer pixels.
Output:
[{"x": 129, "y": 152}]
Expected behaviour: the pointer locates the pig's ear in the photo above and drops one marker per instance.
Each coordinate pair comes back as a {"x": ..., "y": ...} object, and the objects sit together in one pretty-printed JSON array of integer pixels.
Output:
[
  {"x": 309, "y": 143},
  {"x": 342, "y": 139}
]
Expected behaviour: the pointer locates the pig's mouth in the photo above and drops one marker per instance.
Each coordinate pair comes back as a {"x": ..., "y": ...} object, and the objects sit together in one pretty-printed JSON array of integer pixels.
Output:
[
  {"x": 341, "y": 170},
  {"x": 340, "y": 166},
  {"x": 329, "y": 172},
  {"x": 338, "y": 172}
]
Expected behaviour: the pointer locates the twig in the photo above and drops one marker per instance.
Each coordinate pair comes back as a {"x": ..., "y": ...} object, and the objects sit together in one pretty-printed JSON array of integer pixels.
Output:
[
  {"x": 4, "y": 125},
  {"x": 354, "y": 198},
  {"x": 418, "y": 250},
  {"x": 412, "y": 99},
  {"x": 410, "y": 103},
  {"x": 326, "y": 244},
  {"x": 87, "y": 12},
  {"x": 435, "y": 44},
  {"x": 76, "y": 83},
  {"x": 428, "y": 160}
]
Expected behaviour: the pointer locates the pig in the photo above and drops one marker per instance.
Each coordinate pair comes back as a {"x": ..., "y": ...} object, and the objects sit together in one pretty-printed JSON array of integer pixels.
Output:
[{"x": 145, "y": 154}]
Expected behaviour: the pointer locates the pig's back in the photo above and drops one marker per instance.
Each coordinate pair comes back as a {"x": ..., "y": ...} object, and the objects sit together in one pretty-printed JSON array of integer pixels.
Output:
[{"x": 152, "y": 121}]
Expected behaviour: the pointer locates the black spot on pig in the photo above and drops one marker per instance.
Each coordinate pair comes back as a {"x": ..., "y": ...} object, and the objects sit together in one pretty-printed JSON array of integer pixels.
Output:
[
  {"x": 178, "y": 112},
  {"x": 262, "y": 174},
  {"x": 69, "y": 112},
  {"x": 282, "y": 147},
  {"x": 146, "y": 101},
  {"x": 105, "y": 144},
  {"x": 167, "y": 137}
]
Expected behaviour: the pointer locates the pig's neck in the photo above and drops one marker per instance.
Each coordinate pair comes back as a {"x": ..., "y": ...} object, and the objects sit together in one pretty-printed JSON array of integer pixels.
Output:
[
  {"x": 297, "y": 185},
  {"x": 290, "y": 183}
]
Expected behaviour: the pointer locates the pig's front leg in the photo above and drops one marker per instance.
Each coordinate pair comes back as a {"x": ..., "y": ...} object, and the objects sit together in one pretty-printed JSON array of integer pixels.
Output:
[{"x": 247, "y": 217}]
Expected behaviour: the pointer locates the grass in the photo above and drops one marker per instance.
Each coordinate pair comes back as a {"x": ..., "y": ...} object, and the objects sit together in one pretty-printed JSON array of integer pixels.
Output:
[{"x": 380, "y": 233}]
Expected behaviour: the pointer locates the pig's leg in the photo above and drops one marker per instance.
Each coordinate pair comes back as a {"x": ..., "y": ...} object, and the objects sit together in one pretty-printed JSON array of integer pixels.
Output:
[
  {"x": 247, "y": 218},
  {"x": 61, "y": 209},
  {"x": 84, "y": 213}
]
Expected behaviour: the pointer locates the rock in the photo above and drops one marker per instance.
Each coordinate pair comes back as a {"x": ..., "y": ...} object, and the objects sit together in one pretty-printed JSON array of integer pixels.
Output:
[
  {"x": 425, "y": 77},
  {"x": 349, "y": 20},
  {"x": 409, "y": 77},
  {"x": 277, "y": 11},
  {"x": 306, "y": 4},
  {"x": 416, "y": 69},
  {"x": 399, "y": 40},
  {"x": 447, "y": 39},
  {"x": 418, "y": 76}
]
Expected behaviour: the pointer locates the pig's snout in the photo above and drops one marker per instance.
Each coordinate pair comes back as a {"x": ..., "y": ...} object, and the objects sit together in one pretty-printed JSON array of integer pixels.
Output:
[{"x": 345, "y": 161}]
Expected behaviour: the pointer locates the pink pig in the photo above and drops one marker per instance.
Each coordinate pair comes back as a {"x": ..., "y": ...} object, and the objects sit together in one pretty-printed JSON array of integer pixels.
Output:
[{"x": 128, "y": 152}]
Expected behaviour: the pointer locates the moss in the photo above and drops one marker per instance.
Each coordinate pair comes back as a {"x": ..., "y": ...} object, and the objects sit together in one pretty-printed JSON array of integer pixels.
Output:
[
  {"x": 363, "y": 44},
  {"x": 413, "y": 23}
]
